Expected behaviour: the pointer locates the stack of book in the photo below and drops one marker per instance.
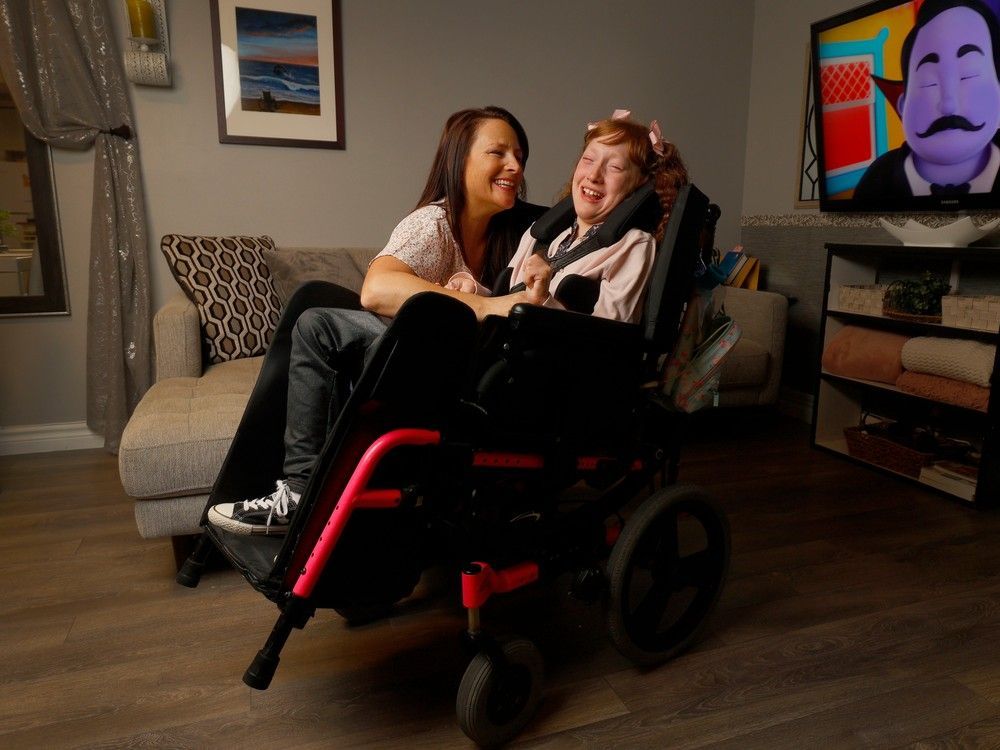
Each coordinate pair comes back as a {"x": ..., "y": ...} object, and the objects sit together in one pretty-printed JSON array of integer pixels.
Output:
[
  {"x": 951, "y": 476},
  {"x": 740, "y": 269}
]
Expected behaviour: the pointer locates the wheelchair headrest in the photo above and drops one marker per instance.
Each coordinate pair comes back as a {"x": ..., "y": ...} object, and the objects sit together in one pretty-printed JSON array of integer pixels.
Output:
[
  {"x": 672, "y": 279},
  {"x": 640, "y": 210}
]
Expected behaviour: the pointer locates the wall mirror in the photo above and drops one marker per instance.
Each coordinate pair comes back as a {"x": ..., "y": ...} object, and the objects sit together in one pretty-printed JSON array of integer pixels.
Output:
[{"x": 32, "y": 279}]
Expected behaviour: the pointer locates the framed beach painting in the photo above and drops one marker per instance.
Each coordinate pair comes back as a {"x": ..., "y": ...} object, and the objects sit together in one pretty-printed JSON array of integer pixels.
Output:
[{"x": 278, "y": 78}]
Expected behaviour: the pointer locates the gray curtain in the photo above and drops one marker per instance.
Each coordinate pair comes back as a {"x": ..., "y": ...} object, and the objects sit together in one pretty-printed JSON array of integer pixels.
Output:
[{"x": 61, "y": 62}]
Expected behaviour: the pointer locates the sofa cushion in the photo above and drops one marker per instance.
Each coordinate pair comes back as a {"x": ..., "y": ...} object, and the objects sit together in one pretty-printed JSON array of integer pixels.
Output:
[
  {"x": 292, "y": 266},
  {"x": 170, "y": 516},
  {"x": 230, "y": 284},
  {"x": 746, "y": 365},
  {"x": 180, "y": 432}
]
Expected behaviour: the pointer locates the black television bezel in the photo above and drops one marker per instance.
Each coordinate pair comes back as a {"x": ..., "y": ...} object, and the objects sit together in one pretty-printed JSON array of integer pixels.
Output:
[{"x": 914, "y": 204}]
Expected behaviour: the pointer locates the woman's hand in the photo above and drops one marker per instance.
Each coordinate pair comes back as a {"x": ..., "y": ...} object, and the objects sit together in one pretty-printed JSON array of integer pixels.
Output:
[
  {"x": 390, "y": 282},
  {"x": 463, "y": 282},
  {"x": 462, "y": 285}
]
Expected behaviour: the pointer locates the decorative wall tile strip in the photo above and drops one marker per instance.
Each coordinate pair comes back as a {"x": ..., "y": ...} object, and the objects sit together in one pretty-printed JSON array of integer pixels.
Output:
[{"x": 856, "y": 220}]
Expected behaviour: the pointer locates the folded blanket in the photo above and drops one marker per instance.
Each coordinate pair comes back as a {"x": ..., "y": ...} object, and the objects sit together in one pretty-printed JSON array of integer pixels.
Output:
[
  {"x": 947, "y": 390},
  {"x": 863, "y": 353},
  {"x": 958, "y": 359}
]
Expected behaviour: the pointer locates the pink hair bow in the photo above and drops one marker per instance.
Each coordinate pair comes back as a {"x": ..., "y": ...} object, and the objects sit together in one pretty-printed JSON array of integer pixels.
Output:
[
  {"x": 618, "y": 114},
  {"x": 656, "y": 137}
]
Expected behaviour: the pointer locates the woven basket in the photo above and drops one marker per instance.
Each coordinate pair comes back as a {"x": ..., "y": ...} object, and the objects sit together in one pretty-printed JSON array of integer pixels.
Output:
[
  {"x": 861, "y": 298},
  {"x": 981, "y": 313},
  {"x": 911, "y": 317},
  {"x": 886, "y": 453}
]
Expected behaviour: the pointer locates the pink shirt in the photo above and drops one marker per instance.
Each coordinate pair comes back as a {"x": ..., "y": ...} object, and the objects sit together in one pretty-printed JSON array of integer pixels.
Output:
[{"x": 623, "y": 270}]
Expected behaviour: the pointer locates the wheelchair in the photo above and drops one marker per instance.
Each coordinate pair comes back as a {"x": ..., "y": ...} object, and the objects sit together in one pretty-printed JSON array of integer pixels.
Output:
[{"x": 469, "y": 446}]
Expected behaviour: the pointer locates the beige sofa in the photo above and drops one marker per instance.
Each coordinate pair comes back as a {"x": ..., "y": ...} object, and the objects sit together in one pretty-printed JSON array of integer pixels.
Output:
[
  {"x": 751, "y": 376},
  {"x": 177, "y": 439}
]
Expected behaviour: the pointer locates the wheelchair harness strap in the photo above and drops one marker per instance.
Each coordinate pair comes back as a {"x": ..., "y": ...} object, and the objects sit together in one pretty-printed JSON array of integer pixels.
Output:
[{"x": 584, "y": 248}]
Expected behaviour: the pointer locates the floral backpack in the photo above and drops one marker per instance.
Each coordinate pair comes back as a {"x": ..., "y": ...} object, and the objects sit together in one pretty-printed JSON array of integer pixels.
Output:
[{"x": 691, "y": 376}]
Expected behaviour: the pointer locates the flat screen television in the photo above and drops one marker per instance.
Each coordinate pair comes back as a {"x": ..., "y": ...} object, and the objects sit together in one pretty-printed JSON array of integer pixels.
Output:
[{"x": 907, "y": 104}]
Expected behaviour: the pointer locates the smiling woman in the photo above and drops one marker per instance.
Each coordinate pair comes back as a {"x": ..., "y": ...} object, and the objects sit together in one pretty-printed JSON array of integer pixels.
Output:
[{"x": 31, "y": 267}]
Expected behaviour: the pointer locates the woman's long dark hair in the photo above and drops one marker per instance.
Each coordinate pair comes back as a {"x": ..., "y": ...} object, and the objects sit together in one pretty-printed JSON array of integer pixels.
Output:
[{"x": 447, "y": 181}]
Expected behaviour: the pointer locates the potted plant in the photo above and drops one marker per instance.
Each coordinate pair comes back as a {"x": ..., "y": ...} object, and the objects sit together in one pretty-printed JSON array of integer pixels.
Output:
[{"x": 916, "y": 299}]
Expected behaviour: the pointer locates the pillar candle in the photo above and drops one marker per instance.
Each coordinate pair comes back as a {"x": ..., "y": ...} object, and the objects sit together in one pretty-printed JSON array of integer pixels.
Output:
[{"x": 142, "y": 19}]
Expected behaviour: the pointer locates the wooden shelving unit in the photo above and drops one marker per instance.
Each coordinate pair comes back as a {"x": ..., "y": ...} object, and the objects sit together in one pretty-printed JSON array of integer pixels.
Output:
[{"x": 842, "y": 401}]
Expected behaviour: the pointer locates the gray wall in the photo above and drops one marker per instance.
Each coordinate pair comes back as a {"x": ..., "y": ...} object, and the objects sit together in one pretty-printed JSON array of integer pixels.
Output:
[
  {"x": 781, "y": 39},
  {"x": 407, "y": 65}
]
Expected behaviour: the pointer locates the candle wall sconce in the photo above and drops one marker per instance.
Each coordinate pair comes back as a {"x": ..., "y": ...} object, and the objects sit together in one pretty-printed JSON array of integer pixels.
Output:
[{"x": 147, "y": 57}]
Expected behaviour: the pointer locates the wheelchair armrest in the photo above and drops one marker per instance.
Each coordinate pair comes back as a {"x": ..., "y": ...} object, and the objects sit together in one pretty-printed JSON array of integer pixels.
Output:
[
  {"x": 578, "y": 293},
  {"x": 558, "y": 326}
]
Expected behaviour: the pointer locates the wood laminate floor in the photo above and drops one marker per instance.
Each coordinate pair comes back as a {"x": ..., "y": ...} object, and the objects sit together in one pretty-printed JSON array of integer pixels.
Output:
[{"x": 860, "y": 612}]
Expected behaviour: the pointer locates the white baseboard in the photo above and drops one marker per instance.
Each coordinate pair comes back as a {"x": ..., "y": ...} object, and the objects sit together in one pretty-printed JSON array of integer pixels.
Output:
[
  {"x": 46, "y": 438},
  {"x": 796, "y": 404}
]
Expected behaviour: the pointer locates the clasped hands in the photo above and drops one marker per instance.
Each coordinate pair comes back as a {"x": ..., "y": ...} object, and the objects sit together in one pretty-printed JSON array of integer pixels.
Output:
[{"x": 537, "y": 276}]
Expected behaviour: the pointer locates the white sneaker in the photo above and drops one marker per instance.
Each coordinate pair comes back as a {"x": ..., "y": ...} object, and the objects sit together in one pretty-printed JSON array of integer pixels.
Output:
[{"x": 268, "y": 515}]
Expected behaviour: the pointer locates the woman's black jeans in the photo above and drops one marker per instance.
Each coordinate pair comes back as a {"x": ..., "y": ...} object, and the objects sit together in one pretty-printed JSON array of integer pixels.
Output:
[{"x": 327, "y": 355}]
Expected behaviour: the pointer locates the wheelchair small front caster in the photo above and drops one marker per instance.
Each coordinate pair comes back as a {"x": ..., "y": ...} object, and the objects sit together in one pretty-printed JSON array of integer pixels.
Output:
[
  {"x": 499, "y": 694},
  {"x": 665, "y": 573}
]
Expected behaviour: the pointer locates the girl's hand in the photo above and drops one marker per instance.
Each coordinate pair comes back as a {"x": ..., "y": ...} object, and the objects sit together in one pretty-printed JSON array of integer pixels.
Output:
[{"x": 537, "y": 276}]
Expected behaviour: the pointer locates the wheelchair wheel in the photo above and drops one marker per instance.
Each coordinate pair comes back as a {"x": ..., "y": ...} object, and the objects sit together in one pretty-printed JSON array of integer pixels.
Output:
[
  {"x": 665, "y": 573},
  {"x": 494, "y": 703}
]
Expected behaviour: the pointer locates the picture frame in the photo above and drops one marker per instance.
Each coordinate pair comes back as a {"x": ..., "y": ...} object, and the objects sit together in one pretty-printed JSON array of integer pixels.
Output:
[
  {"x": 807, "y": 189},
  {"x": 278, "y": 72}
]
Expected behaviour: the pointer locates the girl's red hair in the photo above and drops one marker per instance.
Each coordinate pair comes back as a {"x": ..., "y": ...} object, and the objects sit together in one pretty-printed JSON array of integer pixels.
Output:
[{"x": 667, "y": 170}]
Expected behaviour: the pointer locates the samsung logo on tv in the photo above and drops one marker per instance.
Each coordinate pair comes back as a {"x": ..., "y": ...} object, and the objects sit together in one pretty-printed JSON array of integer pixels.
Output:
[{"x": 949, "y": 202}]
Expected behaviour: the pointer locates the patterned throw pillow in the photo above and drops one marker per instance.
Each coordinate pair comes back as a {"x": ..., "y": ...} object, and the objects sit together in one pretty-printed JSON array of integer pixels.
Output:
[{"x": 230, "y": 284}]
